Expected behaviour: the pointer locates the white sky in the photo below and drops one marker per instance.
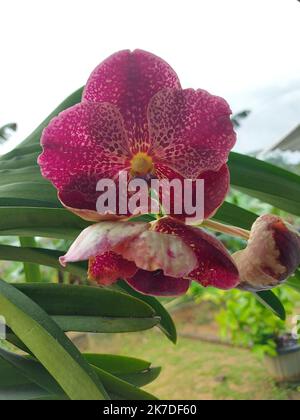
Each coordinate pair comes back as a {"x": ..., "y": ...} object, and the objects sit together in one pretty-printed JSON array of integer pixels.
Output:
[{"x": 246, "y": 51}]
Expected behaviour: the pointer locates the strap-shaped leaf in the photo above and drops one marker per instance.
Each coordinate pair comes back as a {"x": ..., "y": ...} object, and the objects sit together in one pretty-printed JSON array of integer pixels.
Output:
[
  {"x": 166, "y": 322},
  {"x": 120, "y": 388},
  {"x": 32, "y": 370},
  {"x": 27, "y": 392},
  {"x": 91, "y": 309},
  {"x": 69, "y": 300},
  {"x": 19, "y": 162},
  {"x": 37, "y": 374},
  {"x": 236, "y": 216},
  {"x": 50, "y": 258},
  {"x": 267, "y": 182},
  {"x": 45, "y": 222},
  {"x": 12, "y": 176},
  {"x": 10, "y": 376},
  {"x": 96, "y": 324},
  {"x": 40, "y": 333},
  {"x": 135, "y": 371},
  {"x": 39, "y": 192},
  {"x": 117, "y": 364},
  {"x": 24, "y": 378},
  {"x": 271, "y": 301}
]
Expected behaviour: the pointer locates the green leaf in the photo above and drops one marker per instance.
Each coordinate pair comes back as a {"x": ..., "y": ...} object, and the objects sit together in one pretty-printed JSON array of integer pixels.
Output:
[
  {"x": 32, "y": 370},
  {"x": 141, "y": 379},
  {"x": 91, "y": 309},
  {"x": 32, "y": 271},
  {"x": 41, "y": 256},
  {"x": 25, "y": 392},
  {"x": 21, "y": 151},
  {"x": 98, "y": 324},
  {"x": 266, "y": 182},
  {"x": 70, "y": 300},
  {"x": 41, "y": 193},
  {"x": 122, "y": 389},
  {"x": 13, "y": 382},
  {"x": 37, "y": 375},
  {"x": 236, "y": 216},
  {"x": 20, "y": 161},
  {"x": 13, "y": 339},
  {"x": 166, "y": 325},
  {"x": 271, "y": 301},
  {"x": 39, "y": 333},
  {"x": 135, "y": 371},
  {"x": 50, "y": 258},
  {"x": 10, "y": 376},
  {"x": 44, "y": 222},
  {"x": 12, "y": 176},
  {"x": 117, "y": 364}
]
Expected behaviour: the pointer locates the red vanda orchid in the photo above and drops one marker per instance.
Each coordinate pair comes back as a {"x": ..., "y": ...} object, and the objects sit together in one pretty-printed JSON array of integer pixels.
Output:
[{"x": 134, "y": 116}]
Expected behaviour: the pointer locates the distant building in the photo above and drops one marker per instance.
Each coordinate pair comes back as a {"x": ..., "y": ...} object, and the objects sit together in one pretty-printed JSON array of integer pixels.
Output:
[{"x": 290, "y": 142}]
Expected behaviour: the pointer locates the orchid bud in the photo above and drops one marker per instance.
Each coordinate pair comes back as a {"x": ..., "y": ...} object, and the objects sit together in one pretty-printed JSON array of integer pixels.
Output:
[{"x": 271, "y": 256}]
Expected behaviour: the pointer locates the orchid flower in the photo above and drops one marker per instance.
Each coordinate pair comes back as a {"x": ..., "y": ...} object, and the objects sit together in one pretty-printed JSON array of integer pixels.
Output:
[
  {"x": 158, "y": 258},
  {"x": 135, "y": 117}
]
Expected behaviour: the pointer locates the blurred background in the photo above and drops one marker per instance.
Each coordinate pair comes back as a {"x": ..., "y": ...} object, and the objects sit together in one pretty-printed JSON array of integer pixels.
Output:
[{"x": 243, "y": 51}]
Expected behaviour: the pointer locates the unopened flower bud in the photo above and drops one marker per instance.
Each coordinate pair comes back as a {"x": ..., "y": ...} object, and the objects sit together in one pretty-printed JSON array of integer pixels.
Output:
[{"x": 271, "y": 256}]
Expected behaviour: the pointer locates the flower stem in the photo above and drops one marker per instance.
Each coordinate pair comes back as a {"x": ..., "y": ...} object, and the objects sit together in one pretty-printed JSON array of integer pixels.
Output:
[{"x": 229, "y": 230}]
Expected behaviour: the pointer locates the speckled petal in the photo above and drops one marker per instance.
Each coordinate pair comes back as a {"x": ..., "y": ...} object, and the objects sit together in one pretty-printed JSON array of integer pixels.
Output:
[
  {"x": 129, "y": 80},
  {"x": 82, "y": 145},
  {"x": 216, "y": 187},
  {"x": 100, "y": 238},
  {"x": 107, "y": 268},
  {"x": 157, "y": 284},
  {"x": 153, "y": 251},
  {"x": 191, "y": 130},
  {"x": 215, "y": 266}
]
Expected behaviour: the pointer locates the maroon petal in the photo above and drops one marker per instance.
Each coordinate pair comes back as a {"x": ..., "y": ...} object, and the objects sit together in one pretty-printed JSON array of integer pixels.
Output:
[
  {"x": 191, "y": 130},
  {"x": 129, "y": 80},
  {"x": 215, "y": 266},
  {"x": 157, "y": 284},
  {"x": 216, "y": 186},
  {"x": 82, "y": 145},
  {"x": 107, "y": 268}
]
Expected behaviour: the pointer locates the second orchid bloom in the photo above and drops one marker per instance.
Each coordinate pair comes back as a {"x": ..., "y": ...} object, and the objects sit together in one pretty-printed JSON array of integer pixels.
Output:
[{"x": 158, "y": 258}]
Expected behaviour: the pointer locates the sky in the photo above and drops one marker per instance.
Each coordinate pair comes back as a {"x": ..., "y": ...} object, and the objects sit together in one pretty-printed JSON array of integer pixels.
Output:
[{"x": 245, "y": 51}]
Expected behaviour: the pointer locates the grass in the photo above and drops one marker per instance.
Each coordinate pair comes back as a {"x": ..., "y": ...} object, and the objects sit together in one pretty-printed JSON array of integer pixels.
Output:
[{"x": 194, "y": 369}]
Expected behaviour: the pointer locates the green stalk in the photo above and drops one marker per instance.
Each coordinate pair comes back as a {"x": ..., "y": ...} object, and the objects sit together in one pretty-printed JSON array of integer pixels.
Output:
[{"x": 32, "y": 271}]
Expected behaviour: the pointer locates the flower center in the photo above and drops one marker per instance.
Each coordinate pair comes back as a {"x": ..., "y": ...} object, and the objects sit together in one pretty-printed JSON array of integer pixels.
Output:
[{"x": 141, "y": 164}]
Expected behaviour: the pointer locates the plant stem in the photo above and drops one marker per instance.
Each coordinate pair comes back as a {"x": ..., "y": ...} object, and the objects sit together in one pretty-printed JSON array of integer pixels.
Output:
[{"x": 229, "y": 230}]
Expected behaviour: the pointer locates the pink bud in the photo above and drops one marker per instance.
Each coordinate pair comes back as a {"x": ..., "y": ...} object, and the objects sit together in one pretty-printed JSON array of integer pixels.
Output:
[{"x": 271, "y": 256}]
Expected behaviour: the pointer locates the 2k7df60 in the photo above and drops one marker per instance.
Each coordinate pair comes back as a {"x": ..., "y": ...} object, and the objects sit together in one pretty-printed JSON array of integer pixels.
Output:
[{"x": 171, "y": 409}]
